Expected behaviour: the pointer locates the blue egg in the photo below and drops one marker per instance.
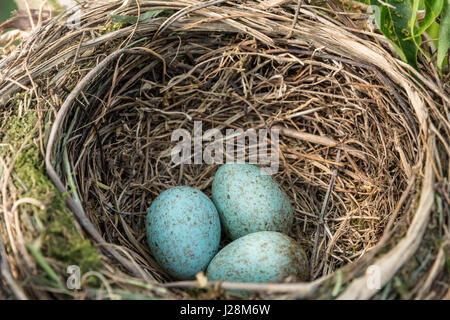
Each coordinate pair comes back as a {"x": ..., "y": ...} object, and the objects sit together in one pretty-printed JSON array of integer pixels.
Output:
[
  {"x": 259, "y": 257},
  {"x": 248, "y": 200},
  {"x": 183, "y": 231}
]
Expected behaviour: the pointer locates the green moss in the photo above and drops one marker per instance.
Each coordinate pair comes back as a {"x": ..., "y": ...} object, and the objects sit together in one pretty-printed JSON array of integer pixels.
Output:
[
  {"x": 359, "y": 223},
  {"x": 112, "y": 26},
  {"x": 59, "y": 235}
]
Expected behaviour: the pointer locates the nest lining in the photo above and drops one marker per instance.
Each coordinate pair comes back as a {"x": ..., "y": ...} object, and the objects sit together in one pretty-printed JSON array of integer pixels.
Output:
[{"x": 120, "y": 141}]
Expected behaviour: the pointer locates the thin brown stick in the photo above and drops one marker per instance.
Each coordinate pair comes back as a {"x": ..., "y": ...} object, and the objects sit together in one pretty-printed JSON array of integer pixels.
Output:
[
  {"x": 322, "y": 215},
  {"x": 322, "y": 140},
  {"x": 294, "y": 22},
  {"x": 301, "y": 290}
]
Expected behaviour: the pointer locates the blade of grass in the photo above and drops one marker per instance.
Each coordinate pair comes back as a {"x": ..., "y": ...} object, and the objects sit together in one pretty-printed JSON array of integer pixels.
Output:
[
  {"x": 35, "y": 251},
  {"x": 444, "y": 36}
]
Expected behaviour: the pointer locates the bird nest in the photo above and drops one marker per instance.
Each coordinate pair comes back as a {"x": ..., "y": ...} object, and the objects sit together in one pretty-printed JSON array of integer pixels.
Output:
[{"x": 91, "y": 116}]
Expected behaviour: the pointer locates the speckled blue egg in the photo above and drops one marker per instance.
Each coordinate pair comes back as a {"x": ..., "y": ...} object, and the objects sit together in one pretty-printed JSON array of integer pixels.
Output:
[
  {"x": 248, "y": 200},
  {"x": 183, "y": 231},
  {"x": 259, "y": 257}
]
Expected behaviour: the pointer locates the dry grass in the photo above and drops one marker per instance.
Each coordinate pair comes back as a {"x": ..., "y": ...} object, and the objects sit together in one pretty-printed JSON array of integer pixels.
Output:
[{"x": 107, "y": 104}]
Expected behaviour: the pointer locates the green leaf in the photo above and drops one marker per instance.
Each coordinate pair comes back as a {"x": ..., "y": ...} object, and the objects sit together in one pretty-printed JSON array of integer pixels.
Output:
[
  {"x": 444, "y": 35},
  {"x": 432, "y": 10},
  {"x": 133, "y": 19},
  {"x": 433, "y": 32},
  {"x": 123, "y": 19},
  {"x": 394, "y": 21},
  {"x": 150, "y": 15},
  {"x": 422, "y": 5}
]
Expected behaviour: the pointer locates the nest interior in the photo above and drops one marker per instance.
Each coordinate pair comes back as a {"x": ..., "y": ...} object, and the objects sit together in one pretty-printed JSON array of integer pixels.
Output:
[
  {"x": 228, "y": 67},
  {"x": 120, "y": 140}
]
